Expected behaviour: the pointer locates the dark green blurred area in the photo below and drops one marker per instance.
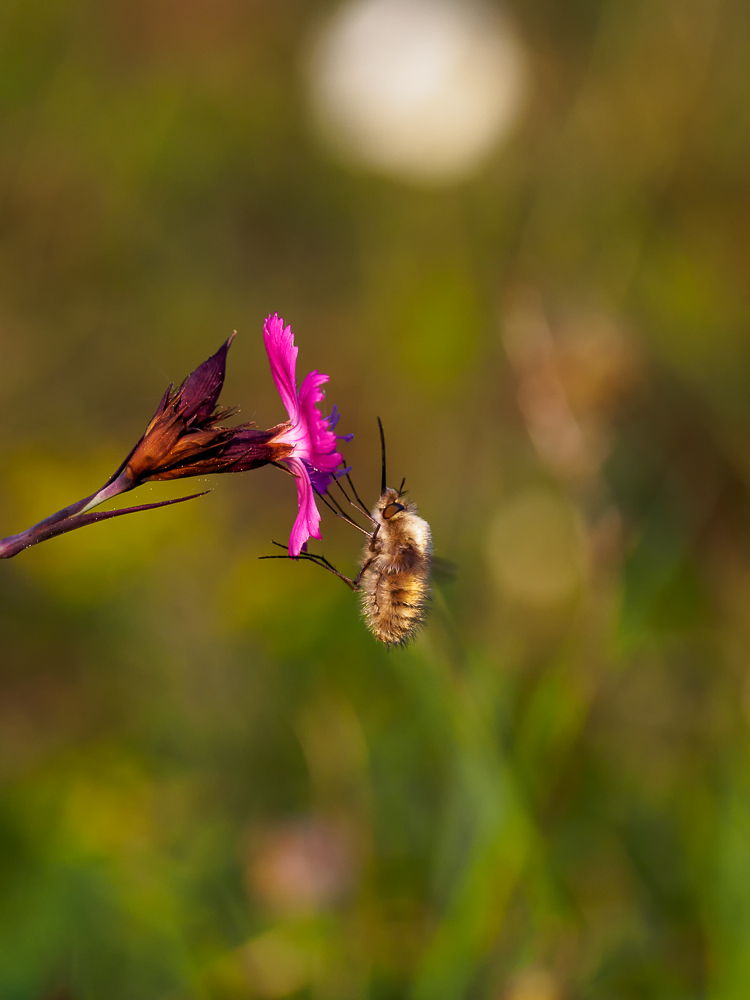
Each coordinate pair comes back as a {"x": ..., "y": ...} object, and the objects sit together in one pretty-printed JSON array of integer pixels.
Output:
[{"x": 215, "y": 783}]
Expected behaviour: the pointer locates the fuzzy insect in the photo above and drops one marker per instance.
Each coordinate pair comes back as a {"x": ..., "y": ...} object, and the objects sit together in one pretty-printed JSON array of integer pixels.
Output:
[{"x": 393, "y": 579}]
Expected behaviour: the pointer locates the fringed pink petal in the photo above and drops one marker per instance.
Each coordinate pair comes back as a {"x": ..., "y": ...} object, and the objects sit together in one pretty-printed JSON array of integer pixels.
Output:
[
  {"x": 306, "y": 524},
  {"x": 282, "y": 355},
  {"x": 309, "y": 435},
  {"x": 320, "y": 442}
]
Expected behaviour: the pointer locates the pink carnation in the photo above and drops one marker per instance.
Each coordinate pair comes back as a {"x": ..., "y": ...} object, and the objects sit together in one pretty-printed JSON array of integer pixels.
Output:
[{"x": 314, "y": 457}]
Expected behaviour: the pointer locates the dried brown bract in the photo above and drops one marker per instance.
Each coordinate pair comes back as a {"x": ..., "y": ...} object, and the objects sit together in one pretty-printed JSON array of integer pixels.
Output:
[{"x": 183, "y": 439}]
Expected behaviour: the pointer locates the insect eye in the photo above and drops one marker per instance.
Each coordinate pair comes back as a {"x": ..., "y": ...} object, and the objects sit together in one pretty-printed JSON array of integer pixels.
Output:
[{"x": 391, "y": 509}]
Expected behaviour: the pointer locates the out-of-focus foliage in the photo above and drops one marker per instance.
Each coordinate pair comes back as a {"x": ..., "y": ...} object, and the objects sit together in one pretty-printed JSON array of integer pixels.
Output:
[{"x": 214, "y": 783}]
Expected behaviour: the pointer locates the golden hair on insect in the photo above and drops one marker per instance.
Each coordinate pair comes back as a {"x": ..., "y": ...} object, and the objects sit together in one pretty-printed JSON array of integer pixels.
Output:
[
  {"x": 394, "y": 575},
  {"x": 393, "y": 579}
]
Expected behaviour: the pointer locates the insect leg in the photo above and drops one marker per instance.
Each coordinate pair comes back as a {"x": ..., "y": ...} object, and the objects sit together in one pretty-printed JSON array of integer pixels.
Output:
[
  {"x": 328, "y": 500},
  {"x": 365, "y": 565},
  {"x": 362, "y": 506},
  {"x": 362, "y": 509},
  {"x": 318, "y": 560}
]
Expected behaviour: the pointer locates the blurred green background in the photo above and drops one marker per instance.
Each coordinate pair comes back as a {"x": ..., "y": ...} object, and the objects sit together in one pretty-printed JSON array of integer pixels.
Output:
[{"x": 215, "y": 784}]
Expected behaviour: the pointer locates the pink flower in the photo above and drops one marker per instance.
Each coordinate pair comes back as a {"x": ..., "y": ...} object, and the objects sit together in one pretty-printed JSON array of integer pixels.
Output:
[{"x": 313, "y": 458}]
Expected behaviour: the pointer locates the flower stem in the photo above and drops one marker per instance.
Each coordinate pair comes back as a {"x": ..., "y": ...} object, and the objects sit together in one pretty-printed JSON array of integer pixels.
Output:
[{"x": 78, "y": 515}]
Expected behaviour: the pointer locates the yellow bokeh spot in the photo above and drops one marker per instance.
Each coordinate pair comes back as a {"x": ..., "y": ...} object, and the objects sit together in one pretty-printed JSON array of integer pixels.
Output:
[{"x": 536, "y": 548}]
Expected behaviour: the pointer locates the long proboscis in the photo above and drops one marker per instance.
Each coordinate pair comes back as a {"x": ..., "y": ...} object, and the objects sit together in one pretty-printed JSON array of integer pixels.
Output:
[{"x": 382, "y": 452}]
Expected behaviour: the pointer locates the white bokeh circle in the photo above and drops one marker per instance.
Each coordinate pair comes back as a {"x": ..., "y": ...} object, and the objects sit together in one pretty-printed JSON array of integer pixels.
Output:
[{"x": 422, "y": 89}]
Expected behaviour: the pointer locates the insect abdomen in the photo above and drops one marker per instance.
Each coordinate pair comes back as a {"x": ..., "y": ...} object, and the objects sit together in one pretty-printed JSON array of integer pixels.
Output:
[{"x": 394, "y": 604}]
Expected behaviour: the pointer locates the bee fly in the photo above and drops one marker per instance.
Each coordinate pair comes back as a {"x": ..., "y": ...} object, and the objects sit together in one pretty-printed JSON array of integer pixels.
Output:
[{"x": 393, "y": 576}]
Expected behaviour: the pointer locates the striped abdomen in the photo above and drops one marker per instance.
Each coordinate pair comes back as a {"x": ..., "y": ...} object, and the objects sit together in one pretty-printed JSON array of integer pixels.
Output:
[{"x": 395, "y": 598}]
